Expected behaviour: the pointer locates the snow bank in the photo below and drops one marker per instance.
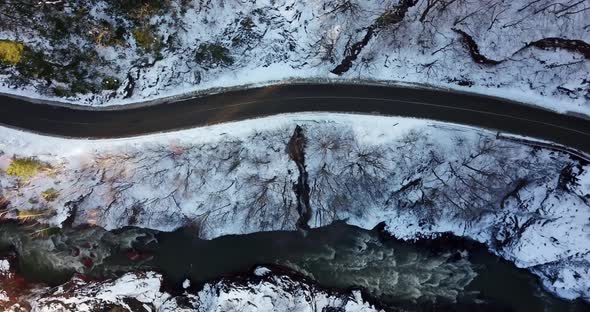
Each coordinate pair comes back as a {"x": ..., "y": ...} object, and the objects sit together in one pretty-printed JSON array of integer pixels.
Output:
[
  {"x": 142, "y": 291},
  {"x": 422, "y": 178}
]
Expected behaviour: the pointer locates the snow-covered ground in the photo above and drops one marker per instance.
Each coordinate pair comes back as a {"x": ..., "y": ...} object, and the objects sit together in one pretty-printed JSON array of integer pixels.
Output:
[
  {"x": 4, "y": 273},
  {"x": 143, "y": 292},
  {"x": 276, "y": 41},
  {"x": 529, "y": 205}
]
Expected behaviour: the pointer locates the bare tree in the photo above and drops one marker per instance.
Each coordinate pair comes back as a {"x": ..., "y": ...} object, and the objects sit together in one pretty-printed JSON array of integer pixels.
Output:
[{"x": 349, "y": 8}]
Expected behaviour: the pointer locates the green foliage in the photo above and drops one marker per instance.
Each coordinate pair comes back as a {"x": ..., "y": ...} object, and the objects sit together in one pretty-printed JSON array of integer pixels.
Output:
[
  {"x": 59, "y": 26},
  {"x": 11, "y": 52},
  {"x": 75, "y": 76},
  {"x": 70, "y": 63},
  {"x": 213, "y": 55},
  {"x": 78, "y": 75},
  {"x": 82, "y": 86},
  {"x": 45, "y": 232},
  {"x": 132, "y": 5},
  {"x": 62, "y": 92},
  {"x": 34, "y": 65},
  {"x": 139, "y": 10},
  {"x": 247, "y": 24},
  {"x": 246, "y": 33},
  {"x": 119, "y": 35},
  {"x": 110, "y": 83},
  {"x": 146, "y": 40},
  {"x": 105, "y": 34},
  {"x": 31, "y": 215},
  {"x": 50, "y": 194},
  {"x": 389, "y": 17},
  {"x": 25, "y": 167}
]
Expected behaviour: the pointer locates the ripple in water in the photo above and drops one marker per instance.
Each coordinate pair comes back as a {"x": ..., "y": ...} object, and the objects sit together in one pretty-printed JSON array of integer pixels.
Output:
[{"x": 398, "y": 273}]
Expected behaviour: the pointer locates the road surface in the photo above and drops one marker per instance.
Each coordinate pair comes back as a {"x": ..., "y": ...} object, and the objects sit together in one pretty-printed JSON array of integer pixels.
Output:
[{"x": 462, "y": 108}]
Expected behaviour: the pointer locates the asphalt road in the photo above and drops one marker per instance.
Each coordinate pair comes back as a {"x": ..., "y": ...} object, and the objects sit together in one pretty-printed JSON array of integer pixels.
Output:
[{"x": 462, "y": 108}]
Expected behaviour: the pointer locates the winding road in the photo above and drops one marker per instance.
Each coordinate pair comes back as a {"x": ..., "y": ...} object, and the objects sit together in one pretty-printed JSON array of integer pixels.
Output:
[{"x": 462, "y": 108}]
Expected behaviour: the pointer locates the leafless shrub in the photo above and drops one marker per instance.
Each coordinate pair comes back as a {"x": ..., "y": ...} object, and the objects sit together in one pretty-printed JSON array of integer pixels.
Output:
[
  {"x": 325, "y": 47},
  {"x": 342, "y": 7},
  {"x": 472, "y": 179},
  {"x": 264, "y": 208}
]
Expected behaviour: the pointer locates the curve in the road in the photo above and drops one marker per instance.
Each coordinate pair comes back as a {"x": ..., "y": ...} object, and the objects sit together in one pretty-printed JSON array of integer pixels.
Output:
[{"x": 462, "y": 108}]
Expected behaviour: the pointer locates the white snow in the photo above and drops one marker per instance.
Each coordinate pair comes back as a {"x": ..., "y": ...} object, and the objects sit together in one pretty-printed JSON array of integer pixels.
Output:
[
  {"x": 186, "y": 284},
  {"x": 144, "y": 287},
  {"x": 279, "y": 293},
  {"x": 261, "y": 271},
  {"x": 419, "y": 177},
  {"x": 4, "y": 274},
  {"x": 584, "y": 181},
  {"x": 3, "y": 296},
  {"x": 4, "y": 266},
  {"x": 298, "y": 40}
]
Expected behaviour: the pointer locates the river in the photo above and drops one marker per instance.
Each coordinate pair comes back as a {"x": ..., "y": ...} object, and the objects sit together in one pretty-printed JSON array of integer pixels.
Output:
[{"x": 447, "y": 273}]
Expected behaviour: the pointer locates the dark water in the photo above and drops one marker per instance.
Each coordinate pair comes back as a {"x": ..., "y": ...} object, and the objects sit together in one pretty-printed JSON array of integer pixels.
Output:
[
  {"x": 433, "y": 276},
  {"x": 518, "y": 289},
  {"x": 338, "y": 256}
]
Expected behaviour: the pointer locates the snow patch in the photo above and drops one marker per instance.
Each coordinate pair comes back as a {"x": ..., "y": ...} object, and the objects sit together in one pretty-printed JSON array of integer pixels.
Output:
[
  {"x": 261, "y": 271},
  {"x": 279, "y": 293},
  {"x": 4, "y": 266}
]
